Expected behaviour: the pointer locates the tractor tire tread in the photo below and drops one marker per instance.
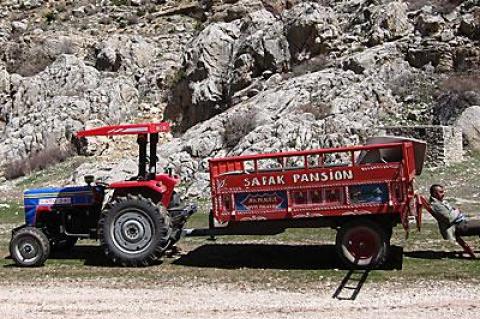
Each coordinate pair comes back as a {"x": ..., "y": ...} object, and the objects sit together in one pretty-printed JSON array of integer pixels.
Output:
[
  {"x": 39, "y": 236},
  {"x": 155, "y": 253}
]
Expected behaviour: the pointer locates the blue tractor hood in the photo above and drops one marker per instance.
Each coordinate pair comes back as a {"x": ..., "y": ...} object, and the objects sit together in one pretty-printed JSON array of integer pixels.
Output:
[{"x": 69, "y": 196}]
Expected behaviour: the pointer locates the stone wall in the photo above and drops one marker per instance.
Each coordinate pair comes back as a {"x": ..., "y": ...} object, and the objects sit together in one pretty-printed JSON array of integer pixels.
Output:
[{"x": 444, "y": 143}]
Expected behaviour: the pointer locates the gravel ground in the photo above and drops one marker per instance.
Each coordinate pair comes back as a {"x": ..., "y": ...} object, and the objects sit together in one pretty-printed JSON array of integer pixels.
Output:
[{"x": 93, "y": 300}]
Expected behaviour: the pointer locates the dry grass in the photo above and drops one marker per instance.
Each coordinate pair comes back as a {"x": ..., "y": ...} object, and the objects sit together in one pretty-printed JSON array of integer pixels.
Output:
[
  {"x": 293, "y": 260},
  {"x": 441, "y": 6},
  {"x": 237, "y": 126},
  {"x": 314, "y": 64},
  {"x": 37, "y": 161},
  {"x": 461, "y": 83},
  {"x": 31, "y": 59},
  {"x": 319, "y": 110}
]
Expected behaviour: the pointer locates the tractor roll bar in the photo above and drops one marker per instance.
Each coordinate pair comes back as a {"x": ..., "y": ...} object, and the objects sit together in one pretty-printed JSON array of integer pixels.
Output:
[
  {"x": 146, "y": 133},
  {"x": 126, "y": 129}
]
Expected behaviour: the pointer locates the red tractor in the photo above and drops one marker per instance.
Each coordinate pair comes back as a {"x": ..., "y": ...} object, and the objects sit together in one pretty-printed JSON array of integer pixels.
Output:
[{"x": 135, "y": 220}]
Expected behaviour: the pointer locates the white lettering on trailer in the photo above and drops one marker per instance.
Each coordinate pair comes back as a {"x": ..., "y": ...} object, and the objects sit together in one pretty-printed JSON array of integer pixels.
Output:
[
  {"x": 272, "y": 180},
  {"x": 323, "y": 176},
  {"x": 264, "y": 181}
]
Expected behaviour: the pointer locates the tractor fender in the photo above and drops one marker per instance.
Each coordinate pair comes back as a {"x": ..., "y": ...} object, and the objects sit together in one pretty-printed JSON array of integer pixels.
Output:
[{"x": 159, "y": 189}]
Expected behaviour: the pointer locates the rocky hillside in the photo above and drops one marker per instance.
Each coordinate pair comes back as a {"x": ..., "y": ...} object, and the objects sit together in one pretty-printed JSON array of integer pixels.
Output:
[
  {"x": 235, "y": 76},
  {"x": 67, "y": 65}
]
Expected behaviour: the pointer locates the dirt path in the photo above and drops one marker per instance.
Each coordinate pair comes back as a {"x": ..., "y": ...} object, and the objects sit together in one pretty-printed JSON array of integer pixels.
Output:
[{"x": 92, "y": 300}]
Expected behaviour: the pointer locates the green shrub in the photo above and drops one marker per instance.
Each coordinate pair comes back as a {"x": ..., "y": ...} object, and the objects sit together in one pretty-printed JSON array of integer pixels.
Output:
[{"x": 50, "y": 16}]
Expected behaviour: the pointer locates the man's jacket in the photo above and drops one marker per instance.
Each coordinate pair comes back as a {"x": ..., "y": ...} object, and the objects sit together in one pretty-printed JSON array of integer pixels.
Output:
[{"x": 446, "y": 216}]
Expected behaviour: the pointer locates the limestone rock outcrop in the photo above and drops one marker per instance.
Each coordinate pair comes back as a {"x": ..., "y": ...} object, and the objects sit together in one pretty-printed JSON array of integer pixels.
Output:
[{"x": 48, "y": 108}]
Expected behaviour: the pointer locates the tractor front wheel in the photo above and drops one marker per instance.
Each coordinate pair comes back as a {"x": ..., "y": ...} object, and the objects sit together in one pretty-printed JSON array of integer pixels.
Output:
[
  {"x": 134, "y": 231},
  {"x": 29, "y": 247},
  {"x": 362, "y": 244}
]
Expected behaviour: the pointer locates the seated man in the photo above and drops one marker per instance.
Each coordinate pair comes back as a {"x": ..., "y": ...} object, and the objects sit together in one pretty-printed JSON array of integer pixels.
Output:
[{"x": 451, "y": 221}]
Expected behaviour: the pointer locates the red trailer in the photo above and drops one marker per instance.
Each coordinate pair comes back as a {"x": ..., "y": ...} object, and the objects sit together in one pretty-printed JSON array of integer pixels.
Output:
[{"x": 361, "y": 191}]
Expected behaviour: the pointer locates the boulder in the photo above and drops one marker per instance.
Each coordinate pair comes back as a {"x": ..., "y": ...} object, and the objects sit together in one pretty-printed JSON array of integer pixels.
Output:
[
  {"x": 223, "y": 63},
  {"x": 199, "y": 92},
  {"x": 31, "y": 55},
  {"x": 19, "y": 26},
  {"x": 106, "y": 171},
  {"x": 261, "y": 47},
  {"x": 126, "y": 52},
  {"x": 470, "y": 25},
  {"x": 5, "y": 99},
  {"x": 371, "y": 60},
  {"x": 30, "y": 4},
  {"x": 228, "y": 11},
  {"x": 428, "y": 24},
  {"x": 387, "y": 22},
  {"x": 108, "y": 59},
  {"x": 469, "y": 122},
  {"x": 310, "y": 30},
  {"x": 451, "y": 104},
  {"x": 435, "y": 53}
]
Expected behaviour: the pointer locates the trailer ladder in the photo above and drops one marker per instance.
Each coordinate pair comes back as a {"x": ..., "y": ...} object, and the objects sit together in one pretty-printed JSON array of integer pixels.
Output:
[{"x": 352, "y": 282}]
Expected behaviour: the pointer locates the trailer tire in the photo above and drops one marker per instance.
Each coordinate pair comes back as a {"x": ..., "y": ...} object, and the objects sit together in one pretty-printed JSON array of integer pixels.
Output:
[
  {"x": 29, "y": 247},
  {"x": 362, "y": 244},
  {"x": 133, "y": 231}
]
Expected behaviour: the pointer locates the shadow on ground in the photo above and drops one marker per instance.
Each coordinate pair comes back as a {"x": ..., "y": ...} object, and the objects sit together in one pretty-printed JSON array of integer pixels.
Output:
[
  {"x": 269, "y": 256},
  {"x": 233, "y": 256},
  {"x": 89, "y": 254},
  {"x": 431, "y": 254},
  {"x": 92, "y": 255},
  {"x": 351, "y": 285}
]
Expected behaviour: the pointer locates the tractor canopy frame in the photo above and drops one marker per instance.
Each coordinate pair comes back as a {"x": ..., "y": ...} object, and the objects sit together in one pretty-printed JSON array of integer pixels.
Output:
[{"x": 147, "y": 133}]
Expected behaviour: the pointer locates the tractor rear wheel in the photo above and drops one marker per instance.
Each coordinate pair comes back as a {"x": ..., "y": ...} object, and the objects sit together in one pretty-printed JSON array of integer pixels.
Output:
[
  {"x": 29, "y": 247},
  {"x": 134, "y": 231},
  {"x": 362, "y": 244}
]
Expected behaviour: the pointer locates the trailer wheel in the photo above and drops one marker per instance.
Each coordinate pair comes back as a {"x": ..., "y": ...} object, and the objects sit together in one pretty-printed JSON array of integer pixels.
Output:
[
  {"x": 134, "y": 231},
  {"x": 29, "y": 247},
  {"x": 362, "y": 244}
]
